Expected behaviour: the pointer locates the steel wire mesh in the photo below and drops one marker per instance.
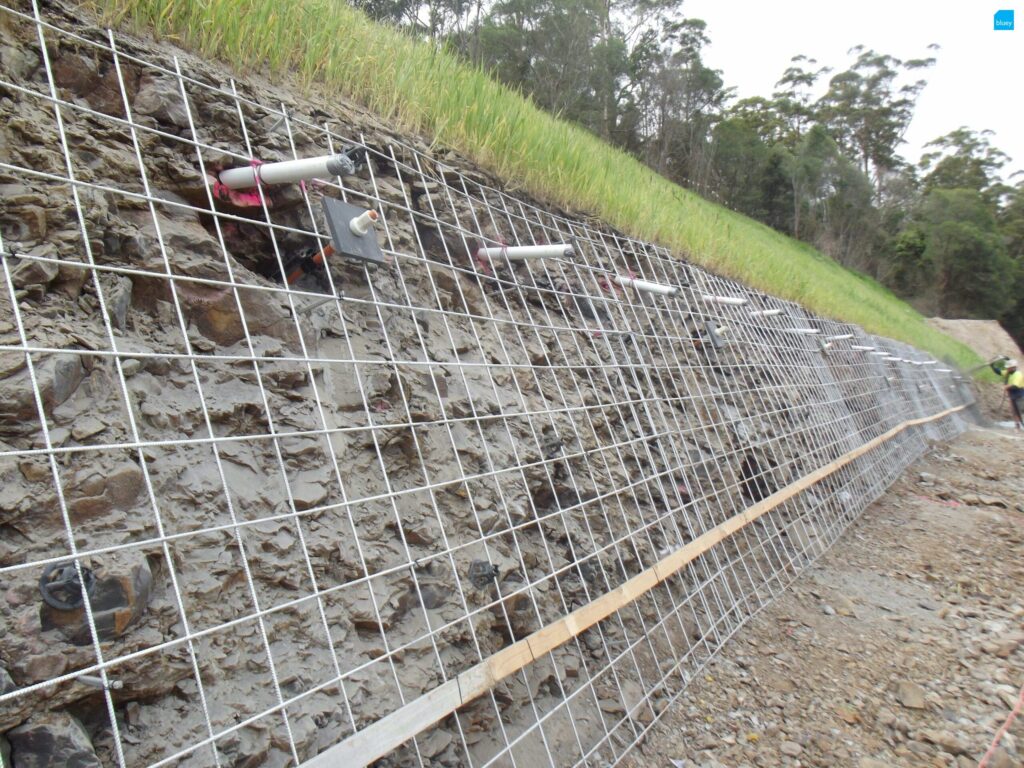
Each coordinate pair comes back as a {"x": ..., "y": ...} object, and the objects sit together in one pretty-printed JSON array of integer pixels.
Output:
[{"x": 312, "y": 502}]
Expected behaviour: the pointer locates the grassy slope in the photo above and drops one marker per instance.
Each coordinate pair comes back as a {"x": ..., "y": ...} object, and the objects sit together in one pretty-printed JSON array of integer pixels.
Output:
[{"x": 424, "y": 89}]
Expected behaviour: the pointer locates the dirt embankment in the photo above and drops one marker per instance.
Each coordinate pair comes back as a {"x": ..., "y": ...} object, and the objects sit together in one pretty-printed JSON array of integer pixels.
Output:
[
  {"x": 901, "y": 647},
  {"x": 986, "y": 337},
  {"x": 990, "y": 340}
]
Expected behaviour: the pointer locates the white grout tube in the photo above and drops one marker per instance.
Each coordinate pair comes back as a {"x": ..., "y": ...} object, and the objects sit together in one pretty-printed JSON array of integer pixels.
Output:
[
  {"x": 765, "y": 312},
  {"x": 861, "y": 348},
  {"x": 734, "y": 301},
  {"x": 646, "y": 286},
  {"x": 841, "y": 337},
  {"x": 285, "y": 172},
  {"x": 97, "y": 682},
  {"x": 518, "y": 252},
  {"x": 363, "y": 223}
]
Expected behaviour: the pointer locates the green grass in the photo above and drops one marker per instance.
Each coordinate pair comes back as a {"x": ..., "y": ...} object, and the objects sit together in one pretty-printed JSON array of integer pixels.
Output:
[{"x": 422, "y": 88}]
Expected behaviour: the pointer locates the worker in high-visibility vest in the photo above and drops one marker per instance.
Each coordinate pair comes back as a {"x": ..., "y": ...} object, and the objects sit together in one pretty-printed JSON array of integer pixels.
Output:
[{"x": 1013, "y": 385}]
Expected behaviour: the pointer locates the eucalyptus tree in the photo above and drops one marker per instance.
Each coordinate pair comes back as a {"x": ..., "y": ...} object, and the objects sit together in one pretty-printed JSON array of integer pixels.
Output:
[
  {"x": 966, "y": 159},
  {"x": 869, "y": 106},
  {"x": 682, "y": 101},
  {"x": 1011, "y": 222},
  {"x": 973, "y": 273},
  {"x": 794, "y": 101}
]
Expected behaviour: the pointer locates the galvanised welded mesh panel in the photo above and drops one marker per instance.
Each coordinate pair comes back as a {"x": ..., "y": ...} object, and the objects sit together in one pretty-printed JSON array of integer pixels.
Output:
[{"x": 301, "y": 499}]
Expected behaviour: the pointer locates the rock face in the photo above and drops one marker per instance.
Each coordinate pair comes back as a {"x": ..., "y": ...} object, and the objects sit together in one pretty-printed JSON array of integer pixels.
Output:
[
  {"x": 6, "y": 683},
  {"x": 52, "y": 740},
  {"x": 57, "y": 376},
  {"x": 303, "y": 507}
]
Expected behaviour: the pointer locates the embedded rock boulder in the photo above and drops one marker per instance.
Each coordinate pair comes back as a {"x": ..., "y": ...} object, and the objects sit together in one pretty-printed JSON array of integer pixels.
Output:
[
  {"x": 57, "y": 377},
  {"x": 30, "y": 272},
  {"x": 101, "y": 488},
  {"x": 6, "y": 683},
  {"x": 219, "y": 312},
  {"x": 52, "y": 740}
]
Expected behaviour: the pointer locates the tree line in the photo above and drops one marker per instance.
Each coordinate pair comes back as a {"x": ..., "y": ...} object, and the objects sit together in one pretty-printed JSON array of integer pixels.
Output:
[{"x": 818, "y": 160}]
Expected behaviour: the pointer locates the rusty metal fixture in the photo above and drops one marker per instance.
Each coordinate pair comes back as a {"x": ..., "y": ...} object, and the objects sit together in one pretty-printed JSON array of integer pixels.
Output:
[{"x": 61, "y": 587}]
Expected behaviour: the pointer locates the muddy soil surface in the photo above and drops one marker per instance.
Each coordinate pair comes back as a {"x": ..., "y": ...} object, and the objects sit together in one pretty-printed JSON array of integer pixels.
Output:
[{"x": 902, "y": 646}]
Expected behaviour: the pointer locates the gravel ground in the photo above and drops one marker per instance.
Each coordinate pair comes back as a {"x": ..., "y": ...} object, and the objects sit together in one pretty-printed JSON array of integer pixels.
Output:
[{"x": 902, "y": 646}]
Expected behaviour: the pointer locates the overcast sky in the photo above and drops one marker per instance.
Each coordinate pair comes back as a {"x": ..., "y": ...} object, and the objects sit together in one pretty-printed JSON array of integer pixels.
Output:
[{"x": 976, "y": 81}]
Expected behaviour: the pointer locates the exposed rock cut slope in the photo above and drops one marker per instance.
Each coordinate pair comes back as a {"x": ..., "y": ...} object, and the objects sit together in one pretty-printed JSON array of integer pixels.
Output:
[{"x": 383, "y": 488}]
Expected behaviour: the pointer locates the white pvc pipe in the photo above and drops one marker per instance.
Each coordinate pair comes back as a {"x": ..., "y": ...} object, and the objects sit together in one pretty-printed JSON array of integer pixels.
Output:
[
  {"x": 526, "y": 252},
  {"x": 734, "y": 301},
  {"x": 943, "y": 370},
  {"x": 880, "y": 354},
  {"x": 892, "y": 359},
  {"x": 805, "y": 331},
  {"x": 860, "y": 348},
  {"x": 765, "y": 312},
  {"x": 841, "y": 337},
  {"x": 96, "y": 682},
  {"x": 646, "y": 286},
  {"x": 930, "y": 362},
  {"x": 362, "y": 224},
  {"x": 285, "y": 172}
]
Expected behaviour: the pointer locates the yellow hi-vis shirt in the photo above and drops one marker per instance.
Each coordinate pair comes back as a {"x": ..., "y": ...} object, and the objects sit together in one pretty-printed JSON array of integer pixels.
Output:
[{"x": 1015, "y": 379}]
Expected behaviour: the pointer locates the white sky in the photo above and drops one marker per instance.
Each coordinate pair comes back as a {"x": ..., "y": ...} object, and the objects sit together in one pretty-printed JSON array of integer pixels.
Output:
[{"x": 975, "y": 82}]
